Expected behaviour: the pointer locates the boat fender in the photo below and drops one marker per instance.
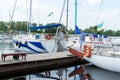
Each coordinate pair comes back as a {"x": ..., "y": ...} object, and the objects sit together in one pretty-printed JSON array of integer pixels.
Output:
[
  {"x": 87, "y": 50},
  {"x": 48, "y": 36},
  {"x": 19, "y": 44},
  {"x": 16, "y": 43}
]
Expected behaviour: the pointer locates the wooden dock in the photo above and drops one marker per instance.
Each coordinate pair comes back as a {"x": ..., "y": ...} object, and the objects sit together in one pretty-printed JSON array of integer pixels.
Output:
[{"x": 35, "y": 63}]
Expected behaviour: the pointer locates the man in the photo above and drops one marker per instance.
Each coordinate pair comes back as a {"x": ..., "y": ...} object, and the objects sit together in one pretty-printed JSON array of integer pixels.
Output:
[
  {"x": 82, "y": 38},
  {"x": 60, "y": 38},
  {"x": 60, "y": 33}
]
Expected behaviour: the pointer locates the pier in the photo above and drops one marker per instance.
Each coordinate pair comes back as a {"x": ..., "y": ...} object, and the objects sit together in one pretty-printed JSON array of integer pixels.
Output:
[{"x": 35, "y": 63}]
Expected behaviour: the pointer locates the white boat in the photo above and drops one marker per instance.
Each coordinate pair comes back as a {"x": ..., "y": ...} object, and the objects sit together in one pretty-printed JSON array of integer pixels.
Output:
[
  {"x": 104, "y": 56},
  {"x": 100, "y": 51},
  {"x": 37, "y": 43}
]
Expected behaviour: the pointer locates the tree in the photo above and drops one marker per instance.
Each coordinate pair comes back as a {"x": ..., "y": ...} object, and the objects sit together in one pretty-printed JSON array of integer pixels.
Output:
[
  {"x": 92, "y": 29},
  {"x": 118, "y": 33}
]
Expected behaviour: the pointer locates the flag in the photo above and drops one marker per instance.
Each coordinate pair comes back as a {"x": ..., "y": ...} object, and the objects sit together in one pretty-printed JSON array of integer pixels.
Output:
[
  {"x": 77, "y": 30},
  {"x": 50, "y": 14},
  {"x": 99, "y": 26}
]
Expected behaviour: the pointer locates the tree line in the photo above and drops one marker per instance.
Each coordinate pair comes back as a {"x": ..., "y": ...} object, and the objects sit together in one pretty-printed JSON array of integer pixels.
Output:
[
  {"x": 93, "y": 29},
  {"x": 17, "y": 26}
]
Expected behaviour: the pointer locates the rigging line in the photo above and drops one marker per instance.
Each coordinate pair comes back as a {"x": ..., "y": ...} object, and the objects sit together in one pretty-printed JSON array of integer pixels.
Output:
[
  {"x": 13, "y": 10},
  {"x": 105, "y": 12},
  {"x": 27, "y": 13},
  {"x": 99, "y": 12},
  {"x": 11, "y": 16},
  {"x": 60, "y": 16},
  {"x": 38, "y": 12},
  {"x": 62, "y": 11},
  {"x": 67, "y": 15},
  {"x": 67, "y": 18},
  {"x": 30, "y": 15},
  {"x": 117, "y": 19}
]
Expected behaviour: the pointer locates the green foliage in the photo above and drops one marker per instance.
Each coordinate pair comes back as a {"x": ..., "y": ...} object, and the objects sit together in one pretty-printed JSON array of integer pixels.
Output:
[
  {"x": 22, "y": 26},
  {"x": 50, "y": 30},
  {"x": 91, "y": 29},
  {"x": 103, "y": 32},
  {"x": 70, "y": 31},
  {"x": 118, "y": 33}
]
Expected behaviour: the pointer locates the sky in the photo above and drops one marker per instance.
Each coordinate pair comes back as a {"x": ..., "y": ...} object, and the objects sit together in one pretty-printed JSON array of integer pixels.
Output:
[{"x": 90, "y": 12}]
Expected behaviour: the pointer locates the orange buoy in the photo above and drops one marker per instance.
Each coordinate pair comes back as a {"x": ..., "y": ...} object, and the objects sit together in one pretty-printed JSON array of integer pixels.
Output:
[
  {"x": 87, "y": 50},
  {"x": 48, "y": 36}
]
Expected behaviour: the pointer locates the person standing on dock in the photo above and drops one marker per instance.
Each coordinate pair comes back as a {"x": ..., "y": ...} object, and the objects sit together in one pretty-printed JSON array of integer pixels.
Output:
[
  {"x": 60, "y": 38},
  {"x": 82, "y": 39}
]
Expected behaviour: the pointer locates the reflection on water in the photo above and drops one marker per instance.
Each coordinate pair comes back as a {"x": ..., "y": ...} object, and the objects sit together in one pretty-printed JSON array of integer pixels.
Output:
[
  {"x": 90, "y": 72},
  {"x": 94, "y": 73},
  {"x": 101, "y": 74}
]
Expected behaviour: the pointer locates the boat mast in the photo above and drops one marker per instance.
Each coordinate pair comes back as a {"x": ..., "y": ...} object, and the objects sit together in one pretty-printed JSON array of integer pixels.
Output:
[
  {"x": 75, "y": 12},
  {"x": 30, "y": 16},
  {"x": 67, "y": 15}
]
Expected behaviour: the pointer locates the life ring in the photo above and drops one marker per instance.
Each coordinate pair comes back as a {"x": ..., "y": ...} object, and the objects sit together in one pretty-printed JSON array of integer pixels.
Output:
[
  {"x": 48, "y": 36},
  {"x": 86, "y": 77},
  {"x": 87, "y": 50}
]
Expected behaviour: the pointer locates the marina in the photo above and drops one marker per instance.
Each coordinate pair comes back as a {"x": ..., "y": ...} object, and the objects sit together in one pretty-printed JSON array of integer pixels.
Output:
[{"x": 41, "y": 40}]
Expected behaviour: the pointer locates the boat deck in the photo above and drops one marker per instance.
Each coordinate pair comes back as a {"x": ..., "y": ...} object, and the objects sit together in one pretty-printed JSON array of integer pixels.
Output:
[{"x": 108, "y": 52}]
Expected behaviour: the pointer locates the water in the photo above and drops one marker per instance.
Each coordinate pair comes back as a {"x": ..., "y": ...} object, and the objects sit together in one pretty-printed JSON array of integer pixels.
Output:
[{"x": 93, "y": 72}]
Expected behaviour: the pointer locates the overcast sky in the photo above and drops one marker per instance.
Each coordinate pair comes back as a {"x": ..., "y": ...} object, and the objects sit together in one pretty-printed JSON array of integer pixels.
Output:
[{"x": 90, "y": 12}]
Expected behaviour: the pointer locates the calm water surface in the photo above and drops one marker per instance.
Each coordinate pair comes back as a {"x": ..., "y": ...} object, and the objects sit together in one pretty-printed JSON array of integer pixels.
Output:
[{"x": 94, "y": 73}]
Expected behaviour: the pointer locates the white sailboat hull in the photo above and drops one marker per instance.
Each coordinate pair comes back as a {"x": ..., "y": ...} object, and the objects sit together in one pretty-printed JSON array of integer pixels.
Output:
[
  {"x": 35, "y": 45},
  {"x": 108, "y": 63}
]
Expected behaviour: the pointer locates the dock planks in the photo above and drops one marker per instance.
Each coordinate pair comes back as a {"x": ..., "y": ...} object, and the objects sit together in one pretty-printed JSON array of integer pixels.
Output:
[
  {"x": 37, "y": 57},
  {"x": 37, "y": 63}
]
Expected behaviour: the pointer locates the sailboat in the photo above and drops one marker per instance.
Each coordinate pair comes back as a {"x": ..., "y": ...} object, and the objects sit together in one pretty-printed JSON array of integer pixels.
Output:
[
  {"x": 38, "y": 43},
  {"x": 102, "y": 54}
]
